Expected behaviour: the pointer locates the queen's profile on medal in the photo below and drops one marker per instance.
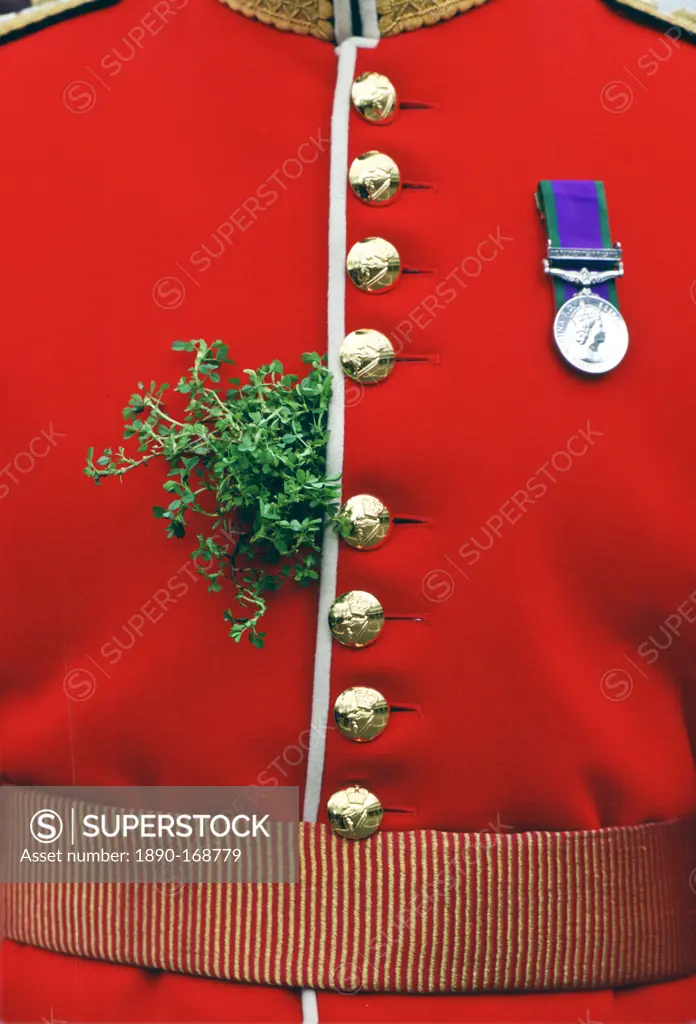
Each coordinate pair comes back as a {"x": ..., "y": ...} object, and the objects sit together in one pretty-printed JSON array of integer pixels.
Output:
[{"x": 591, "y": 333}]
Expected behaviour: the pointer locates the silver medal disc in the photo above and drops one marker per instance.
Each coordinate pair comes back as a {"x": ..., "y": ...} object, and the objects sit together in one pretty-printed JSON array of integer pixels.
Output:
[{"x": 591, "y": 333}]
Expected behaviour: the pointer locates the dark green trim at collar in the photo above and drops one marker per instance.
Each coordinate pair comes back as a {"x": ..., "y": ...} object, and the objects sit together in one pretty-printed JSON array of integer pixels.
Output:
[
  {"x": 20, "y": 17},
  {"x": 675, "y": 13}
]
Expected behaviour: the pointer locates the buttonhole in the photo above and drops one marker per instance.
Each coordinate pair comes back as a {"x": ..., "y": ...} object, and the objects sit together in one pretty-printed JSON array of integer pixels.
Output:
[
  {"x": 407, "y": 105},
  {"x": 407, "y": 618},
  {"x": 400, "y": 810},
  {"x": 406, "y": 520},
  {"x": 433, "y": 357},
  {"x": 417, "y": 185},
  {"x": 418, "y": 270},
  {"x": 412, "y": 708}
]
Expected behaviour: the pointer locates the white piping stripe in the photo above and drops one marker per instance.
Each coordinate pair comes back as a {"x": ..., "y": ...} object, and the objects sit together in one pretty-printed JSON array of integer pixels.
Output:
[
  {"x": 368, "y": 16},
  {"x": 343, "y": 21},
  {"x": 310, "y": 1007},
  {"x": 338, "y": 186},
  {"x": 334, "y": 453}
]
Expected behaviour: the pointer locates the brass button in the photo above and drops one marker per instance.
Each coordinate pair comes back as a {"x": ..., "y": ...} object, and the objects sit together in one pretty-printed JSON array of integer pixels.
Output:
[
  {"x": 365, "y": 522},
  {"x": 375, "y": 178},
  {"x": 367, "y": 356},
  {"x": 354, "y": 813},
  {"x": 374, "y": 265},
  {"x": 374, "y": 98},
  {"x": 361, "y": 713},
  {"x": 356, "y": 618}
]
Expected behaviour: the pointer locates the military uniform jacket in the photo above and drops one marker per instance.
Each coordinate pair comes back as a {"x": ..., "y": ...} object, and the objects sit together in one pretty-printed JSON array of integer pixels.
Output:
[{"x": 167, "y": 174}]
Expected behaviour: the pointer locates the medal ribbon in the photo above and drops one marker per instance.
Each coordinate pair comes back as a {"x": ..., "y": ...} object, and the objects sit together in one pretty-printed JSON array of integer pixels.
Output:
[{"x": 576, "y": 218}]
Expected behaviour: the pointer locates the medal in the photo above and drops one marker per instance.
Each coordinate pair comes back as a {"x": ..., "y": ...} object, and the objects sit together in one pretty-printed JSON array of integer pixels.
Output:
[{"x": 589, "y": 331}]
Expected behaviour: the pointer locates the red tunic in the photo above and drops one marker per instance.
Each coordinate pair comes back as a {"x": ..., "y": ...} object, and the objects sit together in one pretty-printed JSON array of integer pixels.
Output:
[{"x": 149, "y": 191}]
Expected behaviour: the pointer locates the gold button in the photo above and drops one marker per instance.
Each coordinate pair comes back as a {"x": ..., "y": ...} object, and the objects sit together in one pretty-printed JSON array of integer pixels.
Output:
[
  {"x": 375, "y": 178},
  {"x": 365, "y": 522},
  {"x": 356, "y": 618},
  {"x": 367, "y": 356},
  {"x": 374, "y": 265},
  {"x": 361, "y": 713},
  {"x": 354, "y": 813},
  {"x": 374, "y": 98}
]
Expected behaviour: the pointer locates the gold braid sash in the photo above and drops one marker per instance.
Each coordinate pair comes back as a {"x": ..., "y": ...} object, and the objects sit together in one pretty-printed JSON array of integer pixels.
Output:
[{"x": 420, "y": 911}]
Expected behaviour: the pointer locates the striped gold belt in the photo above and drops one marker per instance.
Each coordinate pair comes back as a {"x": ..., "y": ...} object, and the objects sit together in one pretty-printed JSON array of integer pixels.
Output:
[{"x": 418, "y": 911}]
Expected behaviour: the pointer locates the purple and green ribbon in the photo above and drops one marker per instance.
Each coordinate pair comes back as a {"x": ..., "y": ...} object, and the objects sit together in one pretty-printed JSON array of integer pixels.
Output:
[{"x": 576, "y": 218}]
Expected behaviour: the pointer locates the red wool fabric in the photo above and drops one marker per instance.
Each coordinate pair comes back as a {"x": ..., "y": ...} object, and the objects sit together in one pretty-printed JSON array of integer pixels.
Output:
[{"x": 560, "y": 511}]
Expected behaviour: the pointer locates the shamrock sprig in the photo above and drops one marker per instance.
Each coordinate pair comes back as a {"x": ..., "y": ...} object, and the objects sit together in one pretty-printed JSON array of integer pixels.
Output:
[{"x": 250, "y": 460}]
